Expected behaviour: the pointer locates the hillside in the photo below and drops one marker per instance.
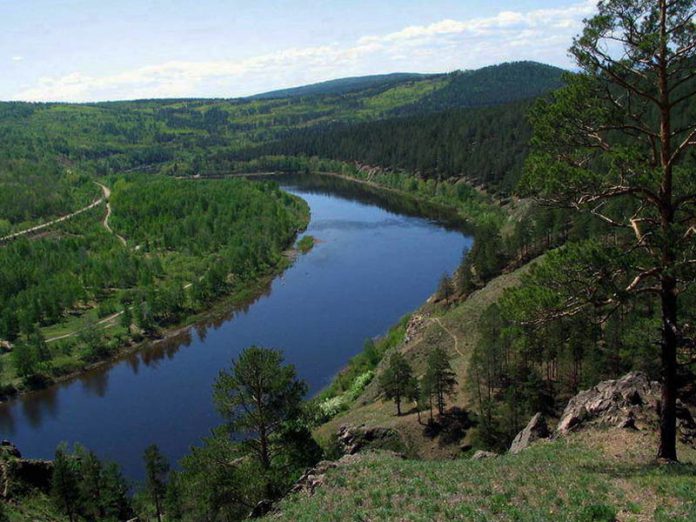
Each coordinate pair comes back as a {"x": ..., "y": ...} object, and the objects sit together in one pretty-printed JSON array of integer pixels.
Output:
[
  {"x": 430, "y": 327},
  {"x": 493, "y": 85},
  {"x": 342, "y": 85},
  {"x": 591, "y": 476}
]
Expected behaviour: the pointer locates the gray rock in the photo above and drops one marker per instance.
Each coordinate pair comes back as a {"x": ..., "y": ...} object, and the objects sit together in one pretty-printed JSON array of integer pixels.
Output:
[
  {"x": 261, "y": 509},
  {"x": 621, "y": 402},
  {"x": 536, "y": 429},
  {"x": 480, "y": 455},
  {"x": 631, "y": 402},
  {"x": 356, "y": 439}
]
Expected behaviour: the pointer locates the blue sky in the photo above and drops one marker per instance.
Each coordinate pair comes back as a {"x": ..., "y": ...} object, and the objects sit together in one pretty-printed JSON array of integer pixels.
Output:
[{"x": 88, "y": 50}]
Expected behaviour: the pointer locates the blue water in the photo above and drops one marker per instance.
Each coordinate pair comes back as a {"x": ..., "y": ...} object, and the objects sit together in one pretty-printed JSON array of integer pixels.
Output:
[{"x": 375, "y": 261}]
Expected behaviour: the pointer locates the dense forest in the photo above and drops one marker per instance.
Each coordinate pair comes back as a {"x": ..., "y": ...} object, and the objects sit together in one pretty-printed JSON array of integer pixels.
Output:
[
  {"x": 462, "y": 143},
  {"x": 186, "y": 243}
]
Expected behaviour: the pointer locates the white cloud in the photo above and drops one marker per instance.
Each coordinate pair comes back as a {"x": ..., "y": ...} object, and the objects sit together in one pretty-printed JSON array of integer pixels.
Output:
[
  {"x": 17, "y": 58},
  {"x": 541, "y": 35}
]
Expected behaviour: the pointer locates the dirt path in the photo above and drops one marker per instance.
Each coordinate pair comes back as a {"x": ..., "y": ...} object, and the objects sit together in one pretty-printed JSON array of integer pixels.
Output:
[
  {"x": 454, "y": 337},
  {"x": 95, "y": 203},
  {"x": 105, "y": 221},
  {"x": 106, "y": 322}
]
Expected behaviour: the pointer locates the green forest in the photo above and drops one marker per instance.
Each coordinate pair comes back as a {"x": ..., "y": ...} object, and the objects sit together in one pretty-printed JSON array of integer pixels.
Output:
[{"x": 80, "y": 292}]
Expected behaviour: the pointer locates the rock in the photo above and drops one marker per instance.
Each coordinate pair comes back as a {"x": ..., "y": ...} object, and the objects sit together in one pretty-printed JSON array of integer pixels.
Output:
[
  {"x": 414, "y": 326},
  {"x": 536, "y": 429},
  {"x": 19, "y": 475},
  {"x": 480, "y": 455},
  {"x": 356, "y": 439},
  {"x": 631, "y": 402},
  {"x": 612, "y": 403},
  {"x": 261, "y": 509},
  {"x": 316, "y": 476},
  {"x": 313, "y": 478}
]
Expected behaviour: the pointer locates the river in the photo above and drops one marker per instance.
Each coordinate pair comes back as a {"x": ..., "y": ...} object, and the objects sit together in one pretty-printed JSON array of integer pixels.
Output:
[{"x": 378, "y": 257}]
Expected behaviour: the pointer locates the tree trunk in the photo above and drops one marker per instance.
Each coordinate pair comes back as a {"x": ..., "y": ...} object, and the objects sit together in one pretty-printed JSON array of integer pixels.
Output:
[
  {"x": 398, "y": 406},
  {"x": 668, "y": 409},
  {"x": 668, "y": 291},
  {"x": 158, "y": 508}
]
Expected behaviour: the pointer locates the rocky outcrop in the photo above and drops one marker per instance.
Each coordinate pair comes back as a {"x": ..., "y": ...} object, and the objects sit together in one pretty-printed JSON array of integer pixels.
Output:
[
  {"x": 414, "y": 326},
  {"x": 630, "y": 402},
  {"x": 316, "y": 476},
  {"x": 481, "y": 454},
  {"x": 18, "y": 474},
  {"x": 535, "y": 430},
  {"x": 356, "y": 439}
]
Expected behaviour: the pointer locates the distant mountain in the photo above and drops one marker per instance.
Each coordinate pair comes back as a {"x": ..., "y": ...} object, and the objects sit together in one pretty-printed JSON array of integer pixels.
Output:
[
  {"x": 493, "y": 85},
  {"x": 343, "y": 85}
]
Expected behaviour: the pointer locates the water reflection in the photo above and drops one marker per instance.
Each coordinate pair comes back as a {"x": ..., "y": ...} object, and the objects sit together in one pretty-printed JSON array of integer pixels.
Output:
[{"x": 44, "y": 403}]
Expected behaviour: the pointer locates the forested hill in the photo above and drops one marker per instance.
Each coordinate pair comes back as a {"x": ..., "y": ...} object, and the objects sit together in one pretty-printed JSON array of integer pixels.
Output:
[
  {"x": 493, "y": 85},
  {"x": 460, "y": 143},
  {"x": 343, "y": 85}
]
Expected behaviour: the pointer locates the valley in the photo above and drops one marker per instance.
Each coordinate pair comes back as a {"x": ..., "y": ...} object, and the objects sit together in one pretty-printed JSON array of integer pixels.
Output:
[{"x": 442, "y": 296}]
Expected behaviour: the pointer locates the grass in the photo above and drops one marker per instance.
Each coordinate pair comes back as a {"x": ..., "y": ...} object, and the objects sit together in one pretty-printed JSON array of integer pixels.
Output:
[
  {"x": 34, "y": 507},
  {"x": 592, "y": 476}
]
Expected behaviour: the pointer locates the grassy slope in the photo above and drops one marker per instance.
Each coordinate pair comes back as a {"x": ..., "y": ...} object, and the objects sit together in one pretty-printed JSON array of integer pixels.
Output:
[
  {"x": 437, "y": 329},
  {"x": 595, "y": 475}
]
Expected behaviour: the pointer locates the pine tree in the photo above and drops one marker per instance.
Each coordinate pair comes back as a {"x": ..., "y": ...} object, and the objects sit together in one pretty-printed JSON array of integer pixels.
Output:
[
  {"x": 397, "y": 381},
  {"x": 156, "y": 469},
  {"x": 64, "y": 483},
  {"x": 617, "y": 143},
  {"x": 440, "y": 380},
  {"x": 257, "y": 396}
]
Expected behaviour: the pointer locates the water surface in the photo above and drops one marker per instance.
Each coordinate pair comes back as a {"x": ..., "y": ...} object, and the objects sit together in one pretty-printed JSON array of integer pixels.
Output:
[{"x": 378, "y": 258}]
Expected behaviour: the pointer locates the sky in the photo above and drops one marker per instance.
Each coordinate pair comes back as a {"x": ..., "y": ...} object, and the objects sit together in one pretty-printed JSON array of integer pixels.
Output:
[{"x": 96, "y": 50}]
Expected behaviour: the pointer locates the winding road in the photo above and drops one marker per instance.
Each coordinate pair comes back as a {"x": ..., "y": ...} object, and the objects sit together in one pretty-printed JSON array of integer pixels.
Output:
[{"x": 37, "y": 228}]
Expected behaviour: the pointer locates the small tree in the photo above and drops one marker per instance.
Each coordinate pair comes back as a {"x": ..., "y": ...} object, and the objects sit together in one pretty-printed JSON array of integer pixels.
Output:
[
  {"x": 64, "y": 483},
  {"x": 90, "y": 485},
  {"x": 173, "y": 501},
  {"x": 445, "y": 289},
  {"x": 439, "y": 380},
  {"x": 115, "y": 502},
  {"x": 397, "y": 382},
  {"x": 256, "y": 397},
  {"x": 156, "y": 469}
]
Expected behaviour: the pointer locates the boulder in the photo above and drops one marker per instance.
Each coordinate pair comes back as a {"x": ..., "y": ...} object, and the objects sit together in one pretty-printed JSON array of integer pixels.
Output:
[
  {"x": 261, "y": 509},
  {"x": 415, "y": 325},
  {"x": 480, "y": 455},
  {"x": 356, "y": 439},
  {"x": 536, "y": 429},
  {"x": 313, "y": 478},
  {"x": 631, "y": 402}
]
